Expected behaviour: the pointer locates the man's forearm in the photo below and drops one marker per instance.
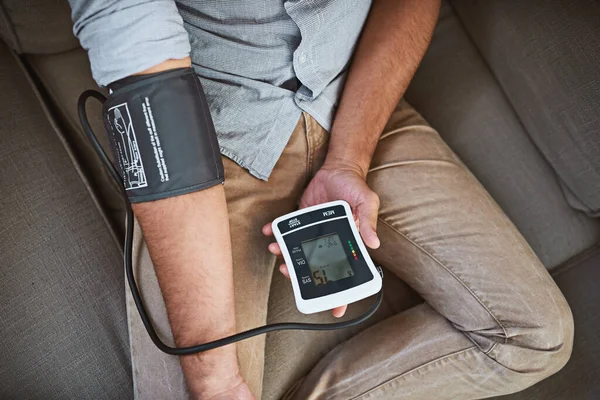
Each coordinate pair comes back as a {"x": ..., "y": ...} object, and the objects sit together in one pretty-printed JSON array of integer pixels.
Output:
[
  {"x": 188, "y": 240},
  {"x": 190, "y": 246},
  {"x": 392, "y": 44}
]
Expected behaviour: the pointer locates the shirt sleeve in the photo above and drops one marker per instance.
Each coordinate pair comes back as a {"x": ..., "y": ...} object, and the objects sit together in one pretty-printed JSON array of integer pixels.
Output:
[{"x": 123, "y": 37}]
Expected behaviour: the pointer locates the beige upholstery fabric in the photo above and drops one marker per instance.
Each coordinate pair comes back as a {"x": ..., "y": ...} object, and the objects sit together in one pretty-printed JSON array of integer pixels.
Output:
[
  {"x": 546, "y": 57},
  {"x": 63, "y": 333},
  {"x": 37, "y": 26},
  {"x": 64, "y": 77},
  {"x": 459, "y": 96}
]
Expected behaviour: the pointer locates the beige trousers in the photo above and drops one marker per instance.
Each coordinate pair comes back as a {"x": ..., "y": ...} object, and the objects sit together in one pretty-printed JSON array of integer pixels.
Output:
[{"x": 493, "y": 321}]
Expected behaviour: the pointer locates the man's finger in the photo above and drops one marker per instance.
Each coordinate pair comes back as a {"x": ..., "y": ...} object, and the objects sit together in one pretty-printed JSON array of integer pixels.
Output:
[
  {"x": 283, "y": 269},
  {"x": 267, "y": 230},
  {"x": 339, "y": 312},
  {"x": 274, "y": 248},
  {"x": 367, "y": 216}
]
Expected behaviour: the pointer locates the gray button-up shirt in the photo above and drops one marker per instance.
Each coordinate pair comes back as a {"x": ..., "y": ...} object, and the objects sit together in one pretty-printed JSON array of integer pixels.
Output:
[{"x": 261, "y": 62}]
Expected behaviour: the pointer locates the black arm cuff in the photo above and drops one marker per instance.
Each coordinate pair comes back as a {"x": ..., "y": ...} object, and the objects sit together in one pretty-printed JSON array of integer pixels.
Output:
[{"x": 162, "y": 136}]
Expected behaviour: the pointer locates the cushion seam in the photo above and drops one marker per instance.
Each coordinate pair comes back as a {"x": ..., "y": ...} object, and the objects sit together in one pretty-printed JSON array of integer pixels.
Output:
[
  {"x": 575, "y": 261},
  {"x": 71, "y": 121},
  {"x": 11, "y": 29}
]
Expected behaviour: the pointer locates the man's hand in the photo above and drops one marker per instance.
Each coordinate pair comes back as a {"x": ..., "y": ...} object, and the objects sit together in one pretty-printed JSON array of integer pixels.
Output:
[
  {"x": 333, "y": 182},
  {"x": 336, "y": 182}
]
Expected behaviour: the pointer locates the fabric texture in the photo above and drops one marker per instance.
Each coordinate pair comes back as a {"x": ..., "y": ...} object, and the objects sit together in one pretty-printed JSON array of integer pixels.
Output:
[
  {"x": 580, "y": 378},
  {"x": 63, "y": 331},
  {"x": 129, "y": 36},
  {"x": 546, "y": 57},
  {"x": 63, "y": 77},
  {"x": 459, "y": 96},
  {"x": 285, "y": 364},
  {"x": 491, "y": 307},
  {"x": 261, "y": 63},
  {"x": 36, "y": 26}
]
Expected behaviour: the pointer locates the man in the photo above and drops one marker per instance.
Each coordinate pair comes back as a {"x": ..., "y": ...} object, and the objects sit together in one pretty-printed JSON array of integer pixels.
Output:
[{"x": 306, "y": 101}]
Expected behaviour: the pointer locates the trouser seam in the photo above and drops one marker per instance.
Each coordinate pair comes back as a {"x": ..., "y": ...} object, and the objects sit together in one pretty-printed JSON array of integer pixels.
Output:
[
  {"x": 437, "y": 261},
  {"x": 415, "y": 369},
  {"x": 428, "y": 161},
  {"x": 404, "y": 129},
  {"x": 491, "y": 349},
  {"x": 309, "y": 146}
]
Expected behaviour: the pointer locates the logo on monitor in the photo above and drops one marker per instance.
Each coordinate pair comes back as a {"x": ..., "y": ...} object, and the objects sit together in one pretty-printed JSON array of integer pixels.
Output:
[{"x": 294, "y": 222}]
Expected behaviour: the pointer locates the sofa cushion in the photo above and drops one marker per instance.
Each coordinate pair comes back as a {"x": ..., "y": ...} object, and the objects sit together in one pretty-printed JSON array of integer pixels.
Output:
[
  {"x": 63, "y": 333},
  {"x": 456, "y": 92},
  {"x": 63, "y": 77},
  {"x": 546, "y": 57},
  {"x": 37, "y": 26}
]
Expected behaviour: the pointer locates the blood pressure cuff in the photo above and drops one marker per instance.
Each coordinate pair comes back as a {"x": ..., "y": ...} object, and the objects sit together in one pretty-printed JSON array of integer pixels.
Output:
[{"x": 162, "y": 135}]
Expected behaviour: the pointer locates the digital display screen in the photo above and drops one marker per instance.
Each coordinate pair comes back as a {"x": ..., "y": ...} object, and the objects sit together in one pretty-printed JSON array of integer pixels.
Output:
[{"x": 327, "y": 259}]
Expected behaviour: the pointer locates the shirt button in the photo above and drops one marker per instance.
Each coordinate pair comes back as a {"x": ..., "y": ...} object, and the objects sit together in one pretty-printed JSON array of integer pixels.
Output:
[{"x": 302, "y": 58}]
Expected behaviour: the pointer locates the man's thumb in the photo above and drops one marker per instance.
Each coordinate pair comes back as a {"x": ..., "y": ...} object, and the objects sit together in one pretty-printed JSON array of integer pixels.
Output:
[{"x": 367, "y": 217}]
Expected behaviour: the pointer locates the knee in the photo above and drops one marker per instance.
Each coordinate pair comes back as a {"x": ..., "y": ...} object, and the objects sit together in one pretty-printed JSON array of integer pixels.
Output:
[
  {"x": 555, "y": 340},
  {"x": 536, "y": 351},
  {"x": 561, "y": 329}
]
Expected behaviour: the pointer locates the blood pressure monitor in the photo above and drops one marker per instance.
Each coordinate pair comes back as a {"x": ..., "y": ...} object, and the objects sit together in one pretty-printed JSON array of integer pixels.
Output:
[{"x": 328, "y": 263}]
